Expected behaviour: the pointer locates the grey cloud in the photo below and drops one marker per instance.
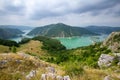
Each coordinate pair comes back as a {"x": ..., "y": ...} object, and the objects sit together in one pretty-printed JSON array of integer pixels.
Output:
[
  {"x": 43, "y": 14},
  {"x": 13, "y": 8},
  {"x": 10, "y": 9},
  {"x": 2, "y": 13},
  {"x": 61, "y": 9},
  {"x": 95, "y": 9},
  {"x": 38, "y": 10},
  {"x": 117, "y": 13}
]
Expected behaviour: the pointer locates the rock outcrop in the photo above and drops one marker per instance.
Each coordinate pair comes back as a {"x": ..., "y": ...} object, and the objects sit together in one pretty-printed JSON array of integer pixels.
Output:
[
  {"x": 51, "y": 75},
  {"x": 105, "y": 60},
  {"x": 107, "y": 78},
  {"x": 31, "y": 74},
  {"x": 113, "y": 42}
]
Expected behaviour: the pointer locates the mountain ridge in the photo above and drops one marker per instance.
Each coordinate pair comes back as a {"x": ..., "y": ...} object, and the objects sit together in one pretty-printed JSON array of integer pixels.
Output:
[
  {"x": 6, "y": 33},
  {"x": 60, "y": 30},
  {"x": 20, "y": 27},
  {"x": 102, "y": 29}
]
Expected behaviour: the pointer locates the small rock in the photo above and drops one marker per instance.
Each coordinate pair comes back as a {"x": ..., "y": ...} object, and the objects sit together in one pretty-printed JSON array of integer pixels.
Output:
[
  {"x": 23, "y": 55},
  {"x": 44, "y": 77},
  {"x": 31, "y": 74},
  {"x": 66, "y": 78},
  {"x": 118, "y": 63},
  {"x": 50, "y": 70},
  {"x": 117, "y": 71},
  {"x": 59, "y": 77},
  {"x": 3, "y": 62},
  {"x": 51, "y": 75},
  {"x": 107, "y": 78},
  {"x": 18, "y": 61}
]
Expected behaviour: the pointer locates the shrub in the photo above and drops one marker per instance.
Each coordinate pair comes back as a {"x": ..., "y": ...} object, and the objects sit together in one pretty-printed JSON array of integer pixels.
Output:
[
  {"x": 14, "y": 49},
  {"x": 8, "y": 43},
  {"x": 24, "y": 40},
  {"x": 74, "y": 69},
  {"x": 50, "y": 44}
]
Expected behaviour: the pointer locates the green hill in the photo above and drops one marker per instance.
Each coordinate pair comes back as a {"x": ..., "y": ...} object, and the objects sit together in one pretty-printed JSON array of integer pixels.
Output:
[
  {"x": 6, "y": 33},
  {"x": 60, "y": 30}
]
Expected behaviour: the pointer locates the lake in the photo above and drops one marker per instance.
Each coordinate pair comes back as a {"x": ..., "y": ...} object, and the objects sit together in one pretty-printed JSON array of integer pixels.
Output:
[
  {"x": 74, "y": 42},
  {"x": 71, "y": 42}
]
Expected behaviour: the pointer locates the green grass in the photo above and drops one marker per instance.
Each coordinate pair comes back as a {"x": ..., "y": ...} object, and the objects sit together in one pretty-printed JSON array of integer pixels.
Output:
[{"x": 4, "y": 49}]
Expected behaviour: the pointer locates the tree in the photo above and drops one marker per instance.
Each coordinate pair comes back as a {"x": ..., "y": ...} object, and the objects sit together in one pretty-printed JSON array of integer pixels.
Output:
[{"x": 14, "y": 49}]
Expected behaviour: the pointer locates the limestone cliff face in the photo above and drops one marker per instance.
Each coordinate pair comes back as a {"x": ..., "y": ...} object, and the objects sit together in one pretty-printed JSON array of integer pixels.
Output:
[{"x": 113, "y": 42}]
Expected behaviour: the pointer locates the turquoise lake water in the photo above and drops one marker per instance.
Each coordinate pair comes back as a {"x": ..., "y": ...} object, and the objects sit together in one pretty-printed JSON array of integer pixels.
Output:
[
  {"x": 75, "y": 42},
  {"x": 72, "y": 42}
]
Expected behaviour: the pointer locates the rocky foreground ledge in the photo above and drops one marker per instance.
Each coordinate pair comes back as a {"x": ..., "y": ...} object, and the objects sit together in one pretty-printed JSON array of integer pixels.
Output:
[
  {"x": 49, "y": 75},
  {"x": 29, "y": 67}
]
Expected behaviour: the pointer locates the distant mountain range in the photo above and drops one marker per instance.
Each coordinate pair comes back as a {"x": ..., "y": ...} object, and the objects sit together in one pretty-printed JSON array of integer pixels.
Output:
[
  {"x": 55, "y": 30},
  {"x": 102, "y": 29},
  {"x": 10, "y": 31},
  {"x": 60, "y": 30},
  {"x": 16, "y": 27},
  {"x": 6, "y": 33}
]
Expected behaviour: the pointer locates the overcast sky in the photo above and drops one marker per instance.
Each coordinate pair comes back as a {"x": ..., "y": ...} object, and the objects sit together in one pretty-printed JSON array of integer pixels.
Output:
[{"x": 72, "y": 12}]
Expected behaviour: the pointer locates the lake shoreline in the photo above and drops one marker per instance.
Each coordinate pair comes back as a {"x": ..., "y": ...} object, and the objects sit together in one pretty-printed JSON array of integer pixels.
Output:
[{"x": 68, "y": 42}]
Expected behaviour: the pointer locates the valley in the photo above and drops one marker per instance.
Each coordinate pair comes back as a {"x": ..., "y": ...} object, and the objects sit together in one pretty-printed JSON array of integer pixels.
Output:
[
  {"x": 74, "y": 57},
  {"x": 78, "y": 64},
  {"x": 80, "y": 36},
  {"x": 59, "y": 39}
]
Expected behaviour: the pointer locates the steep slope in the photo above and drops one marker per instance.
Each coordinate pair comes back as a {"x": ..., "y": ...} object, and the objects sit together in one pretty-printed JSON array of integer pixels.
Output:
[
  {"x": 60, "y": 30},
  {"x": 6, "y": 33},
  {"x": 113, "y": 41},
  {"x": 102, "y": 29},
  {"x": 16, "y": 27}
]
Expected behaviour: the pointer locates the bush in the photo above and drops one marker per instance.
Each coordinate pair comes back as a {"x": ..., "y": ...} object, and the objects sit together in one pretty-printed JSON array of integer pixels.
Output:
[
  {"x": 74, "y": 69},
  {"x": 8, "y": 43},
  {"x": 50, "y": 44},
  {"x": 24, "y": 40},
  {"x": 14, "y": 49},
  {"x": 62, "y": 58}
]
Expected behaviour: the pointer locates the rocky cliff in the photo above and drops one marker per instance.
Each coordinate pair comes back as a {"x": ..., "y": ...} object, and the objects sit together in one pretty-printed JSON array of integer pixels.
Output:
[{"x": 113, "y": 42}]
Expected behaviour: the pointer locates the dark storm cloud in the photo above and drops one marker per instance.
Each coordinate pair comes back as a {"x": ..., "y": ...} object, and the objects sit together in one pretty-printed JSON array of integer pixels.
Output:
[
  {"x": 100, "y": 7},
  {"x": 105, "y": 4},
  {"x": 95, "y": 9}
]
